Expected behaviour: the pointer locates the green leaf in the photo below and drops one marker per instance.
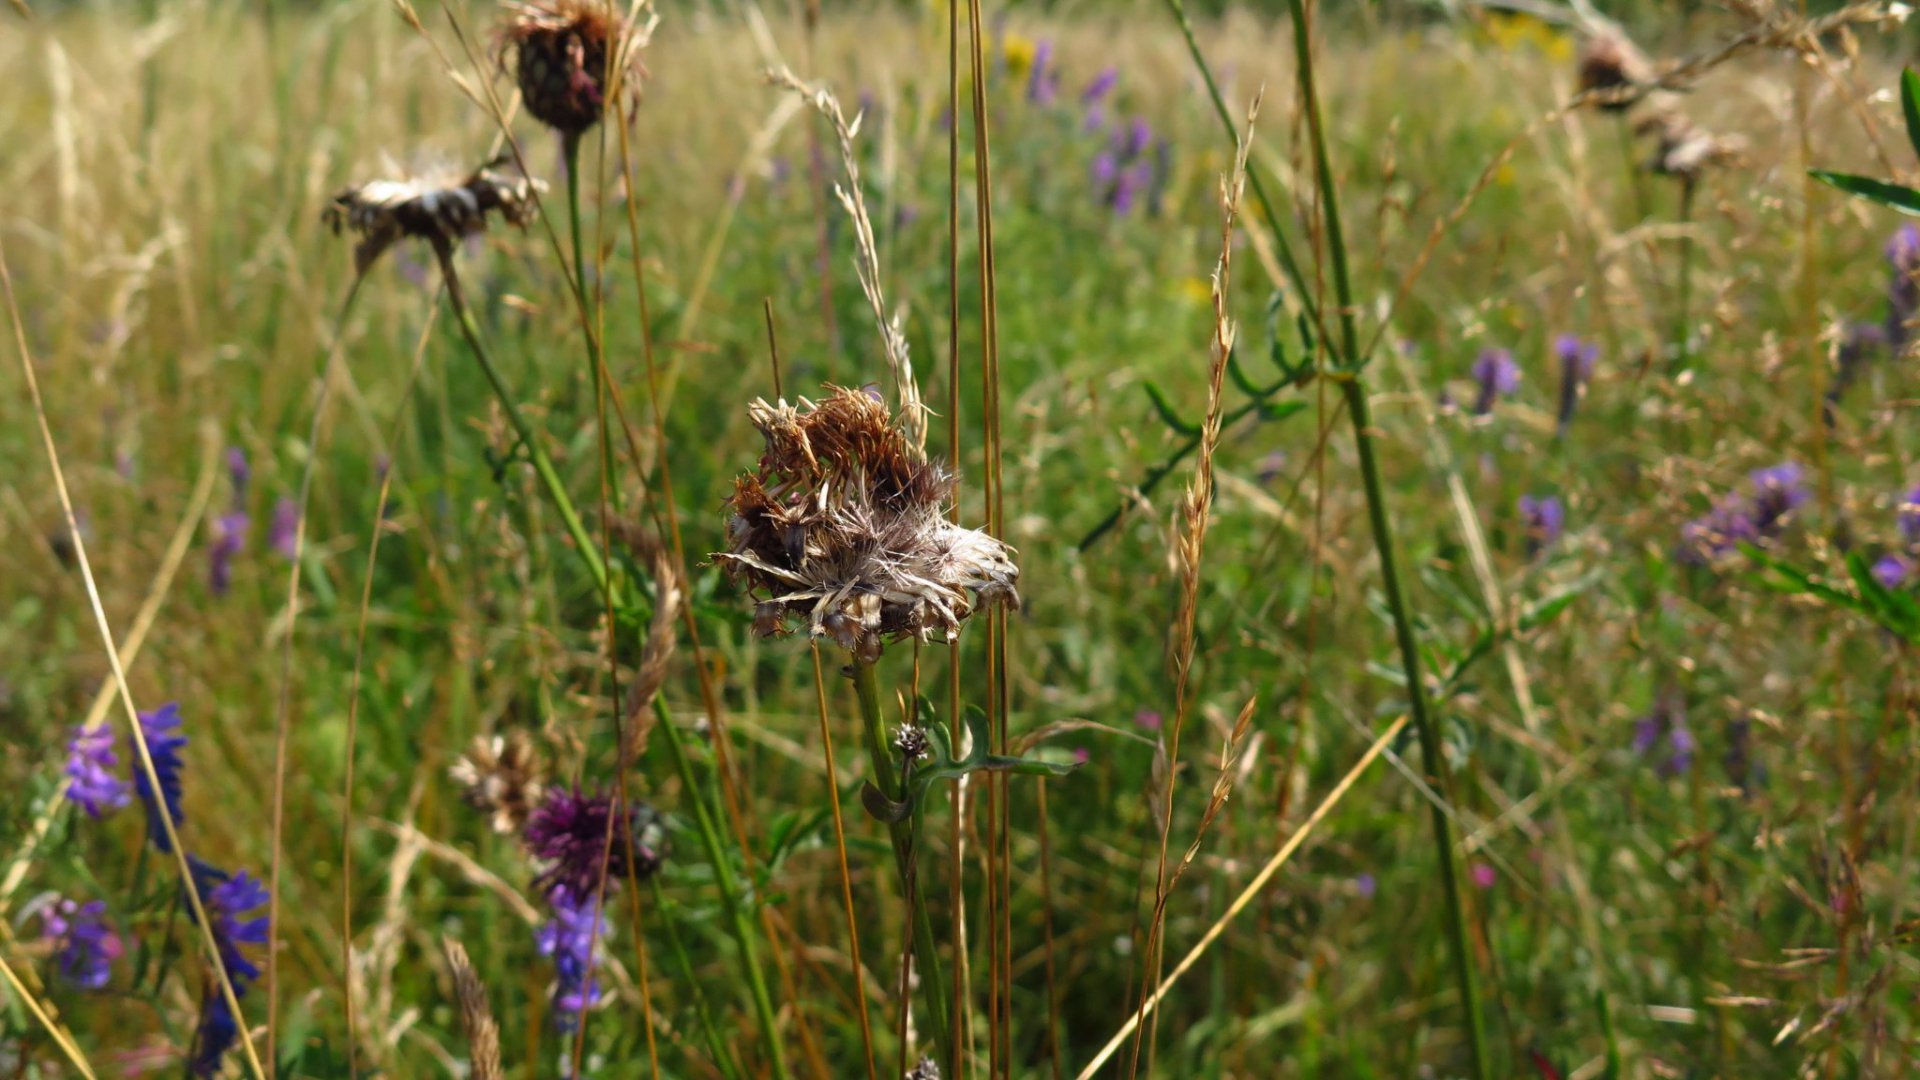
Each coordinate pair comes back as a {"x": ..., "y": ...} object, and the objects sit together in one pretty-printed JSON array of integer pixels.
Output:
[
  {"x": 1167, "y": 415},
  {"x": 1280, "y": 410},
  {"x": 1904, "y": 199},
  {"x": 1910, "y": 104}
]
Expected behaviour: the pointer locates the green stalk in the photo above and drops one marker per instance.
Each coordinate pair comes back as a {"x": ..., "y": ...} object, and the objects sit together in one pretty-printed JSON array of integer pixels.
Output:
[
  {"x": 542, "y": 465},
  {"x": 905, "y": 836},
  {"x": 1360, "y": 411},
  {"x": 589, "y": 306},
  {"x": 1683, "y": 331},
  {"x": 729, "y": 889}
]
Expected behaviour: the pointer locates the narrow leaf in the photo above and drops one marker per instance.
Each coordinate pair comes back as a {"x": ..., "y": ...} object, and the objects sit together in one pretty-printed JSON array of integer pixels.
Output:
[
  {"x": 1910, "y": 104},
  {"x": 1167, "y": 414},
  {"x": 1904, "y": 199}
]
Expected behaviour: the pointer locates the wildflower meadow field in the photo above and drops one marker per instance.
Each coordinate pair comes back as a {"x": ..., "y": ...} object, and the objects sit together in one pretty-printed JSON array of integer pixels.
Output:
[{"x": 959, "y": 538}]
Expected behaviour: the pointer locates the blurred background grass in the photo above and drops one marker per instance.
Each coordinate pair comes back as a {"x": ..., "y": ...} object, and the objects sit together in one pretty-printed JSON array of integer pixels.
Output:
[{"x": 165, "y": 169}]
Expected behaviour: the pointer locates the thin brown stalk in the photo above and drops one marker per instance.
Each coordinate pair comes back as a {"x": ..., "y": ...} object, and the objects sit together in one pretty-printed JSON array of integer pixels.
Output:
[
  {"x": 846, "y": 875},
  {"x": 958, "y": 1001},
  {"x": 1196, "y": 513}
]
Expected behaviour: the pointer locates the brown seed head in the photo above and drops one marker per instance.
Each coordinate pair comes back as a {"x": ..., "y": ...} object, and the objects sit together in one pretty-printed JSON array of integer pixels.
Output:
[
  {"x": 440, "y": 207},
  {"x": 561, "y": 51},
  {"x": 843, "y": 529},
  {"x": 1608, "y": 61},
  {"x": 1684, "y": 149},
  {"x": 502, "y": 777}
]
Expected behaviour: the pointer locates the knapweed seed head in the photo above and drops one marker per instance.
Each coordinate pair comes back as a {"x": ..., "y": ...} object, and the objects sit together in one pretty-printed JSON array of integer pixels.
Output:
[
  {"x": 501, "y": 776},
  {"x": 1685, "y": 150},
  {"x": 564, "y": 54},
  {"x": 1609, "y": 62},
  {"x": 911, "y": 743},
  {"x": 568, "y": 835},
  {"x": 843, "y": 530},
  {"x": 437, "y": 206}
]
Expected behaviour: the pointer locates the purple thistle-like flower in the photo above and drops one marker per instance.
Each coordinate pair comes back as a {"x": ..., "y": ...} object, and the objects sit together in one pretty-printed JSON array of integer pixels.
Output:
[
  {"x": 1544, "y": 518},
  {"x": 91, "y": 780},
  {"x": 229, "y": 539},
  {"x": 164, "y": 743},
  {"x": 1043, "y": 82},
  {"x": 84, "y": 942},
  {"x": 239, "y": 472},
  {"x": 569, "y": 939},
  {"x": 1892, "y": 570},
  {"x": 568, "y": 833},
  {"x": 1497, "y": 376},
  {"x": 283, "y": 533},
  {"x": 1101, "y": 86},
  {"x": 1576, "y": 367}
]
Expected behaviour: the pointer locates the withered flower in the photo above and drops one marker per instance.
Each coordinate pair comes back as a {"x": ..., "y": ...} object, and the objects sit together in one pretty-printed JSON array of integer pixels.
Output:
[
  {"x": 502, "y": 777},
  {"x": 843, "y": 529},
  {"x": 1684, "y": 149},
  {"x": 1609, "y": 62},
  {"x": 440, "y": 207},
  {"x": 561, "y": 51}
]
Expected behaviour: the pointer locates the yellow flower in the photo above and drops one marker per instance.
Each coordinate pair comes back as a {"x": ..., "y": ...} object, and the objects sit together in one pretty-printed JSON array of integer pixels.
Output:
[
  {"x": 1019, "y": 51},
  {"x": 1198, "y": 290}
]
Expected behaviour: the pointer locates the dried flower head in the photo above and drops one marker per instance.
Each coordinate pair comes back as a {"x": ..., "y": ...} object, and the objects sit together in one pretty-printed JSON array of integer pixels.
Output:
[
  {"x": 843, "y": 529},
  {"x": 437, "y": 206},
  {"x": 1609, "y": 62},
  {"x": 1684, "y": 149},
  {"x": 501, "y": 776},
  {"x": 566, "y": 51},
  {"x": 911, "y": 743}
]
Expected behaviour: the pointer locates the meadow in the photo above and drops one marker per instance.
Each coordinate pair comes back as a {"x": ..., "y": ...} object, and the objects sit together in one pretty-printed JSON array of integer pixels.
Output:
[{"x": 1429, "y": 589}]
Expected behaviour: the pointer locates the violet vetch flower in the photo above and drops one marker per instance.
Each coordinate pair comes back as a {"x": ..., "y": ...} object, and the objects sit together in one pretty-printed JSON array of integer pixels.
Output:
[
  {"x": 1497, "y": 376},
  {"x": 229, "y": 539},
  {"x": 1909, "y": 517},
  {"x": 1892, "y": 570},
  {"x": 1544, "y": 518},
  {"x": 1903, "y": 291},
  {"x": 1663, "y": 734},
  {"x": 284, "y": 532},
  {"x": 92, "y": 783},
  {"x": 1135, "y": 140},
  {"x": 164, "y": 743},
  {"x": 1101, "y": 86},
  {"x": 1777, "y": 492},
  {"x": 239, "y": 472},
  {"x": 1576, "y": 367},
  {"x": 570, "y": 939},
  {"x": 228, "y": 899},
  {"x": 84, "y": 942},
  {"x": 1043, "y": 82},
  {"x": 1365, "y": 885},
  {"x": 567, "y": 832},
  {"x": 1861, "y": 343}
]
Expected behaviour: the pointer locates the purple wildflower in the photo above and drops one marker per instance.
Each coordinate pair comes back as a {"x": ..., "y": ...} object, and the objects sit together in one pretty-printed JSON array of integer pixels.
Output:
[
  {"x": 1777, "y": 492},
  {"x": 1484, "y": 876},
  {"x": 1860, "y": 343},
  {"x": 1101, "y": 86},
  {"x": 1497, "y": 375},
  {"x": 1094, "y": 120},
  {"x": 1133, "y": 142},
  {"x": 1365, "y": 885},
  {"x": 91, "y": 782},
  {"x": 1665, "y": 723},
  {"x": 1134, "y": 180},
  {"x": 1738, "y": 759},
  {"x": 1147, "y": 720},
  {"x": 569, "y": 939},
  {"x": 283, "y": 534},
  {"x": 1106, "y": 169},
  {"x": 568, "y": 833},
  {"x": 1576, "y": 367},
  {"x": 1082, "y": 755},
  {"x": 229, "y": 539},
  {"x": 239, "y": 472},
  {"x": 84, "y": 942},
  {"x": 1903, "y": 291},
  {"x": 1043, "y": 82},
  {"x": 1909, "y": 517},
  {"x": 164, "y": 743},
  {"x": 1892, "y": 570},
  {"x": 1544, "y": 519},
  {"x": 228, "y": 899}
]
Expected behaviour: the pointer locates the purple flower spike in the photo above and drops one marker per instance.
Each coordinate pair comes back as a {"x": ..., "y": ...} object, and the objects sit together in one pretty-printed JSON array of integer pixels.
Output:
[
  {"x": 1576, "y": 367},
  {"x": 228, "y": 899},
  {"x": 1105, "y": 171},
  {"x": 1497, "y": 376},
  {"x": 1043, "y": 82},
  {"x": 1101, "y": 86},
  {"x": 229, "y": 539},
  {"x": 92, "y": 782},
  {"x": 1893, "y": 570},
  {"x": 1909, "y": 517},
  {"x": 239, "y": 472},
  {"x": 570, "y": 939},
  {"x": 1545, "y": 518},
  {"x": 284, "y": 533},
  {"x": 1665, "y": 724},
  {"x": 84, "y": 942},
  {"x": 1096, "y": 118},
  {"x": 1777, "y": 491},
  {"x": 1903, "y": 290},
  {"x": 164, "y": 743}
]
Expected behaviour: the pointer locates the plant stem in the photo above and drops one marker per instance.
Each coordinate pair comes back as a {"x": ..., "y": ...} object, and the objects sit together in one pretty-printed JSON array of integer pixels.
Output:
[
  {"x": 590, "y": 306},
  {"x": 542, "y": 465},
  {"x": 905, "y": 833},
  {"x": 1360, "y": 411},
  {"x": 1683, "y": 331},
  {"x": 729, "y": 889}
]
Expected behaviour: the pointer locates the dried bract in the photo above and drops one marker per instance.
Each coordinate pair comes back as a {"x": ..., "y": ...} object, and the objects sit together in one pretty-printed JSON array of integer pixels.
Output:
[
  {"x": 440, "y": 207},
  {"x": 566, "y": 51},
  {"x": 501, "y": 776},
  {"x": 843, "y": 529}
]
